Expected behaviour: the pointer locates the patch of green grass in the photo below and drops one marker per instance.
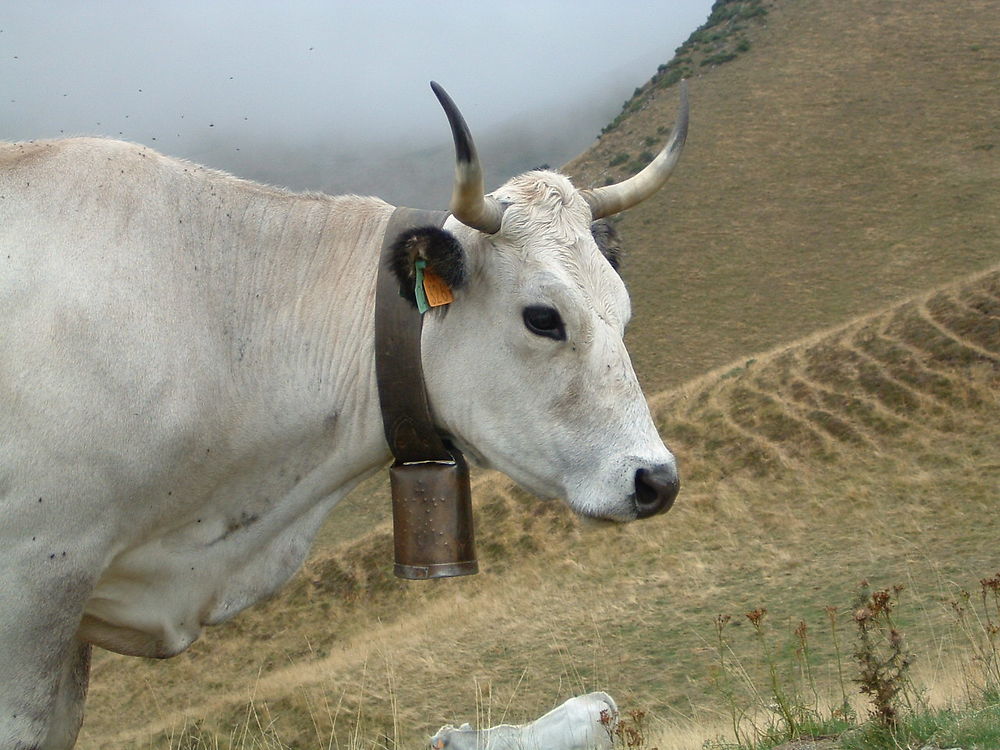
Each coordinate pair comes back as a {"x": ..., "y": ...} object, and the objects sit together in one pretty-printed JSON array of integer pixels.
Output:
[
  {"x": 620, "y": 159},
  {"x": 718, "y": 58},
  {"x": 975, "y": 726},
  {"x": 641, "y": 161}
]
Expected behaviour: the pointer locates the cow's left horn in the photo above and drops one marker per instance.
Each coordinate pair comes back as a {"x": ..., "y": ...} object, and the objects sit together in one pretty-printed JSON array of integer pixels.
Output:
[
  {"x": 612, "y": 199},
  {"x": 469, "y": 202}
]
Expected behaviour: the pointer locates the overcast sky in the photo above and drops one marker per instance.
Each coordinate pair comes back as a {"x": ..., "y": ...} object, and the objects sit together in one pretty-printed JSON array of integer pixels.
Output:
[{"x": 327, "y": 94}]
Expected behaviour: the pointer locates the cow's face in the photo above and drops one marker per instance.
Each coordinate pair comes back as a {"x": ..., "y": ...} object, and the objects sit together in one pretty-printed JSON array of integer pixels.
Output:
[{"x": 527, "y": 370}]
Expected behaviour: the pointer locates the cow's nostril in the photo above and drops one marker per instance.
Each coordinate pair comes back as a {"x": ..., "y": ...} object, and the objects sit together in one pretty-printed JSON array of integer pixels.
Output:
[{"x": 655, "y": 490}]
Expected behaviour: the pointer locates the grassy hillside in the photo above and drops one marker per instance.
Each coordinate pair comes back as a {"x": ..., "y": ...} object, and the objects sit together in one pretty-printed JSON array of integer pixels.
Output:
[
  {"x": 843, "y": 160},
  {"x": 848, "y": 158},
  {"x": 865, "y": 452}
]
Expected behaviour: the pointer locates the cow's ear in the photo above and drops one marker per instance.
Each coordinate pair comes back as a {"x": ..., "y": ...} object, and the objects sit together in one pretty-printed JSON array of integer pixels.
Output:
[
  {"x": 439, "y": 249},
  {"x": 608, "y": 241}
]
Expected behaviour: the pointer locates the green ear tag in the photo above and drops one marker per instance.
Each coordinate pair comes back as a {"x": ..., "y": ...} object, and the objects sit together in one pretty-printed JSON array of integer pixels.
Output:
[{"x": 418, "y": 288}]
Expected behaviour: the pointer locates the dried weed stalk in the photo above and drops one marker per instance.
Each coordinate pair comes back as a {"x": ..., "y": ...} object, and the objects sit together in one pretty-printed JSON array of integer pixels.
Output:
[
  {"x": 883, "y": 661},
  {"x": 628, "y": 732},
  {"x": 981, "y": 628}
]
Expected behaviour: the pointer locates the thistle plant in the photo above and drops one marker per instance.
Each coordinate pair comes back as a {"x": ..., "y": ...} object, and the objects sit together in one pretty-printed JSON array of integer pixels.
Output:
[
  {"x": 883, "y": 661},
  {"x": 802, "y": 656},
  {"x": 723, "y": 681},
  {"x": 628, "y": 732},
  {"x": 788, "y": 708}
]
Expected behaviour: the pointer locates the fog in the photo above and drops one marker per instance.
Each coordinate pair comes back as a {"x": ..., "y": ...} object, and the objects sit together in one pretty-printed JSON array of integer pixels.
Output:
[{"x": 334, "y": 96}]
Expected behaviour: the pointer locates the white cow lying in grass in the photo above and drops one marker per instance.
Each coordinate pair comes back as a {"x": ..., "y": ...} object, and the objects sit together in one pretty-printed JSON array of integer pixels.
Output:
[{"x": 585, "y": 722}]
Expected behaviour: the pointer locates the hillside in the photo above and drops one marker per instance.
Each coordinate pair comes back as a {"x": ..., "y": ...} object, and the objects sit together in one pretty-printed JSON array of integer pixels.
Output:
[
  {"x": 844, "y": 160},
  {"x": 850, "y": 157}
]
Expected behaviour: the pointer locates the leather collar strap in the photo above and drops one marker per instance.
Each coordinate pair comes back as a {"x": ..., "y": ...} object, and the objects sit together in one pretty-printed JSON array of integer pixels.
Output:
[{"x": 406, "y": 416}]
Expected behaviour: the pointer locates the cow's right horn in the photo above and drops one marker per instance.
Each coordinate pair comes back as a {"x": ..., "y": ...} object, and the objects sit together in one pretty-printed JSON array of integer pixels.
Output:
[
  {"x": 469, "y": 202},
  {"x": 613, "y": 199}
]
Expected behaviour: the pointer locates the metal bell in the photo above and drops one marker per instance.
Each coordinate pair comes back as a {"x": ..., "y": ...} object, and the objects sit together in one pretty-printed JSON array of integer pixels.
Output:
[{"x": 432, "y": 519}]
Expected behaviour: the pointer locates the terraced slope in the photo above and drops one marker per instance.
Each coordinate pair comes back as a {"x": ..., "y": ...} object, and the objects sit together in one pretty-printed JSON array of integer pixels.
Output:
[
  {"x": 887, "y": 378},
  {"x": 866, "y": 451}
]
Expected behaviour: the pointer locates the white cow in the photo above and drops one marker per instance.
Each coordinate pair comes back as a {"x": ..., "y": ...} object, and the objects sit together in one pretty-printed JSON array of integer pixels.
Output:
[
  {"x": 187, "y": 387},
  {"x": 586, "y": 722}
]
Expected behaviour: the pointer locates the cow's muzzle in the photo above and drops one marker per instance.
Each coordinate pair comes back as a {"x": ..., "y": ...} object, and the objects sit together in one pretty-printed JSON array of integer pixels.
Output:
[{"x": 655, "y": 490}]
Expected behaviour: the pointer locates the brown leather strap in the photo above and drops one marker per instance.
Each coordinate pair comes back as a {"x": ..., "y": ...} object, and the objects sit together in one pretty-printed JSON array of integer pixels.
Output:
[{"x": 406, "y": 416}]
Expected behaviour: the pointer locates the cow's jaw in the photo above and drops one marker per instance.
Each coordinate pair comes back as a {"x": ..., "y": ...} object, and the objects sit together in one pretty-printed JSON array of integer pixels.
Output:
[{"x": 587, "y": 455}]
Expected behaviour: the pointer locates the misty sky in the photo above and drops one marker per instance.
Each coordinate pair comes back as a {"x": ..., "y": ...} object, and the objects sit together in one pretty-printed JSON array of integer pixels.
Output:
[{"x": 333, "y": 95}]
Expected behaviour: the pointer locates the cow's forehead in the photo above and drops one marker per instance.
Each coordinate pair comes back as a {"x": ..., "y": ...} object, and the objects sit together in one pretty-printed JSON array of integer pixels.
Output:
[
  {"x": 543, "y": 206},
  {"x": 546, "y": 230}
]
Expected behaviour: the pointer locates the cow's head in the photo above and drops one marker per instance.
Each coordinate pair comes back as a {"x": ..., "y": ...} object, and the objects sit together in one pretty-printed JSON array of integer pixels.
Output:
[{"x": 526, "y": 370}]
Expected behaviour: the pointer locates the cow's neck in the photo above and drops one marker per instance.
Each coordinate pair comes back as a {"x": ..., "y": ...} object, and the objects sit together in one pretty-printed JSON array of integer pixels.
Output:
[
  {"x": 279, "y": 290},
  {"x": 299, "y": 314}
]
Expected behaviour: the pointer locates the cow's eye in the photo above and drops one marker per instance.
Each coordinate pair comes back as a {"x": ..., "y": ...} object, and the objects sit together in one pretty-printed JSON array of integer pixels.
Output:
[{"x": 544, "y": 321}]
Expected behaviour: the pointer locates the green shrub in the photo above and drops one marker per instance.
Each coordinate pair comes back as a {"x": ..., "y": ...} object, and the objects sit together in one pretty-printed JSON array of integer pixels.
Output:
[{"x": 719, "y": 59}]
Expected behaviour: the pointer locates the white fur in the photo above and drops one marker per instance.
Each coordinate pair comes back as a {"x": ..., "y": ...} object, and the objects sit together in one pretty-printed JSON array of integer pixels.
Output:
[
  {"x": 586, "y": 722},
  {"x": 578, "y": 400},
  {"x": 187, "y": 388}
]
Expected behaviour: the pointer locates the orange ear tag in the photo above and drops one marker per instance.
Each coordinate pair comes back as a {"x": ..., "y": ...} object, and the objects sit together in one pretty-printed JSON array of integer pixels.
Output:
[{"x": 437, "y": 290}]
